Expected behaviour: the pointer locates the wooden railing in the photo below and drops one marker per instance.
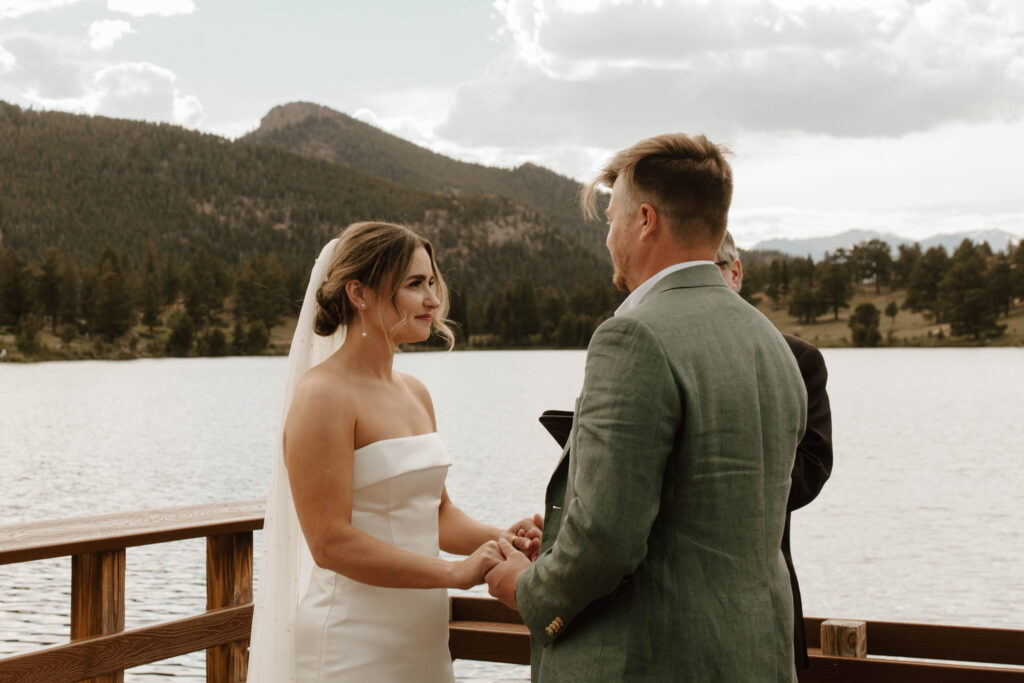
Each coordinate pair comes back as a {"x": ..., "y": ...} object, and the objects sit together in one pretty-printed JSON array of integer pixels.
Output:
[{"x": 101, "y": 649}]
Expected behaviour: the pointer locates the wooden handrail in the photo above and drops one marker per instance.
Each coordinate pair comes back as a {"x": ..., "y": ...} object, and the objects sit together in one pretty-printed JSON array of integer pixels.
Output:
[
  {"x": 60, "y": 538},
  {"x": 480, "y": 628}
]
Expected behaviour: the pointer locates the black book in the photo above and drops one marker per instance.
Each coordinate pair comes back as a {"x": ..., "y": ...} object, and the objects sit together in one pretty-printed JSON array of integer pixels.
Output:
[{"x": 558, "y": 423}]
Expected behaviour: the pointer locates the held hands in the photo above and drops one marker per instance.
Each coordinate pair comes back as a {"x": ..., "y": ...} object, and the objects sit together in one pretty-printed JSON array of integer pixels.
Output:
[
  {"x": 470, "y": 571},
  {"x": 501, "y": 580},
  {"x": 525, "y": 535}
]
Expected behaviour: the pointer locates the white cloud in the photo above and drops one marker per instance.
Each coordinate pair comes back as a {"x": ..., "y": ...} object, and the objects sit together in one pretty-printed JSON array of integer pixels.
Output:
[
  {"x": 7, "y": 60},
  {"x": 40, "y": 65},
  {"x": 141, "y": 8},
  {"x": 103, "y": 34},
  {"x": 9, "y": 9},
  {"x": 140, "y": 90},
  {"x": 620, "y": 71}
]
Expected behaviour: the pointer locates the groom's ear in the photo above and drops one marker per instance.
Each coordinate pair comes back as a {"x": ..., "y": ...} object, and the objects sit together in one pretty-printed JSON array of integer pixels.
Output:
[{"x": 651, "y": 221}]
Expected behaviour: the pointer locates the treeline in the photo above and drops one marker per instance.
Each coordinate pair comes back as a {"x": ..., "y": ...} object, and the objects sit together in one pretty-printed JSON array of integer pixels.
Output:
[
  {"x": 970, "y": 289},
  {"x": 208, "y": 307},
  {"x": 164, "y": 305}
]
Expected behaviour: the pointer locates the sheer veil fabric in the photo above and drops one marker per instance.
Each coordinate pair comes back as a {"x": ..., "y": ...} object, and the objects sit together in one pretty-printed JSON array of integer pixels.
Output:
[{"x": 285, "y": 562}]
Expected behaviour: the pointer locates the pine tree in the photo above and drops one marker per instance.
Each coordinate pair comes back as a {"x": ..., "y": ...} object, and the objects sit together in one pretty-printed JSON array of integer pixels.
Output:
[
  {"x": 834, "y": 288},
  {"x": 965, "y": 299},
  {"x": 864, "y": 325},
  {"x": 923, "y": 285},
  {"x": 114, "y": 312},
  {"x": 152, "y": 296},
  {"x": 49, "y": 283}
]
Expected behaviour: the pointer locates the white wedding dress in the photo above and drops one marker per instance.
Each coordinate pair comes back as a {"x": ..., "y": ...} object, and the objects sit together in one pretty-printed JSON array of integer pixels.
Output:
[{"x": 351, "y": 631}]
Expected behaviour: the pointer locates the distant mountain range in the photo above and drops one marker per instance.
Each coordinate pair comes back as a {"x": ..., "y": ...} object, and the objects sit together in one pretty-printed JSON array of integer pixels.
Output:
[{"x": 816, "y": 247}]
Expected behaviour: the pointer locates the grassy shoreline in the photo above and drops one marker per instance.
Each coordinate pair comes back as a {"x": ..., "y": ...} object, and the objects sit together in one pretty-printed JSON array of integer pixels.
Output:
[{"x": 908, "y": 329}]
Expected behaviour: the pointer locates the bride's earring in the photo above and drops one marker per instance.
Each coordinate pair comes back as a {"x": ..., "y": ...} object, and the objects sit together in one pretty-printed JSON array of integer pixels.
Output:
[{"x": 362, "y": 322}]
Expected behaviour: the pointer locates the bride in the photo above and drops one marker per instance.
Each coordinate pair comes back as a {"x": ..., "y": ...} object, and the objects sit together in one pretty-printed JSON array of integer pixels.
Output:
[{"x": 351, "y": 584}]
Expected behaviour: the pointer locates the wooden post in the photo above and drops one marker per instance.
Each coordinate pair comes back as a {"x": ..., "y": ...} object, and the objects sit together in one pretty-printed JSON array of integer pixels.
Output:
[
  {"x": 228, "y": 583},
  {"x": 97, "y": 598},
  {"x": 844, "y": 638}
]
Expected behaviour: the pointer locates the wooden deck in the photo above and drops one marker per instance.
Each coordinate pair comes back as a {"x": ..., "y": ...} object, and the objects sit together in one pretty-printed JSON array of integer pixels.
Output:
[{"x": 100, "y": 648}]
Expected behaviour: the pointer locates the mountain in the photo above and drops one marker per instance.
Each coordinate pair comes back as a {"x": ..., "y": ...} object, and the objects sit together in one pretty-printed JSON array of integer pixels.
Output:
[
  {"x": 816, "y": 247},
  {"x": 81, "y": 182},
  {"x": 319, "y": 132}
]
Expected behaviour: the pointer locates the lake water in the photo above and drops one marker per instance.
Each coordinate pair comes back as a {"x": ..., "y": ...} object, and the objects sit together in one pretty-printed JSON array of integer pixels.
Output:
[{"x": 920, "y": 521}]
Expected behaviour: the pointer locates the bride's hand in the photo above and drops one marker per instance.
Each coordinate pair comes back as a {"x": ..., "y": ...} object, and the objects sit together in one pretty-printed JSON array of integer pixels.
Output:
[
  {"x": 470, "y": 571},
  {"x": 526, "y": 534}
]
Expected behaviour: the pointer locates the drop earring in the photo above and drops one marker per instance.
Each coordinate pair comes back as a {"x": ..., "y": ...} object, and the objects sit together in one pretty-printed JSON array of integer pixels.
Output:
[{"x": 362, "y": 322}]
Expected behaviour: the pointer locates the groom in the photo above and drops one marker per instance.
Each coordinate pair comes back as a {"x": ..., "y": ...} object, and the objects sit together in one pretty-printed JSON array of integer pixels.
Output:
[{"x": 661, "y": 552}]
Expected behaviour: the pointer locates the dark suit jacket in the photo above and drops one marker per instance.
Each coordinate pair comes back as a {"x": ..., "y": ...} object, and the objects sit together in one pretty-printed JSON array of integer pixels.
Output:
[{"x": 811, "y": 469}]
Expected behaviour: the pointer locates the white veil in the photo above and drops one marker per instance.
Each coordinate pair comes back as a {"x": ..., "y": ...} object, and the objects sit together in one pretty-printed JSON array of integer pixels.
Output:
[{"x": 285, "y": 562}]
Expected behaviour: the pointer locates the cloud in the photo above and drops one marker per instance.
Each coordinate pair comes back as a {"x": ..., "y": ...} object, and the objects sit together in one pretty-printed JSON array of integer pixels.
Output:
[
  {"x": 38, "y": 65},
  {"x": 140, "y": 90},
  {"x": 607, "y": 73},
  {"x": 9, "y": 9},
  {"x": 141, "y": 8},
  {"x": 103, "y": 34},
  {"x": 7, "y": 60}
]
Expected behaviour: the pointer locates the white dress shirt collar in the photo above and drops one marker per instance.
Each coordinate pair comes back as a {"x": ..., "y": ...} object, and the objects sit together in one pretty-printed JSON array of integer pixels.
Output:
[{"x": 633, "y": 300}]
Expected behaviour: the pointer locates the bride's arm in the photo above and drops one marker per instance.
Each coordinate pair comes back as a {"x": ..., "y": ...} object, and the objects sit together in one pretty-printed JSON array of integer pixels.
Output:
[{"x": 319, "y": 448}]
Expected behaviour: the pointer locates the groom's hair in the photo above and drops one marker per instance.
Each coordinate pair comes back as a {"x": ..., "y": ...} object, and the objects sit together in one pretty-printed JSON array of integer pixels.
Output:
[
  {"x": 377, "y": 255},
  {"x": 685, "y": 178}
]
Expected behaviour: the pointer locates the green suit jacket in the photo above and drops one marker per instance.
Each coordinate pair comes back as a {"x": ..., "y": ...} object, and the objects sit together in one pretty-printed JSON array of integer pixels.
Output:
[{"x": 661, "y": 558}]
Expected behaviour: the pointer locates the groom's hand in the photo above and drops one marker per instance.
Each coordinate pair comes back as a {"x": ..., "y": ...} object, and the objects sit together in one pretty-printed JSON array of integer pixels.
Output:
[
  {"x": 501, "y": 580},
  {"x": 526, "y": 535}
]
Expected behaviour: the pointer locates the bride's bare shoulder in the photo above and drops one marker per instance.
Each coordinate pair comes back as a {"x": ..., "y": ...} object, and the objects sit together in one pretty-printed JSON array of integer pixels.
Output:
[
  {"x": 418, "y": 389},
  {"x": 322, "y": 386}
]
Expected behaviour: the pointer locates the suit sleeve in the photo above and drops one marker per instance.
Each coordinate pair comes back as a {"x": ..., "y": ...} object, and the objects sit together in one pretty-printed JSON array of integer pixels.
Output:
[
  {"x": 628, "y": 414},
  {"x": 813, "y": 464}
]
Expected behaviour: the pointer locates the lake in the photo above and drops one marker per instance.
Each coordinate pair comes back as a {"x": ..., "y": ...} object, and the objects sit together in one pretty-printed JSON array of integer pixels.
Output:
[{"x": 918, "y": 523}]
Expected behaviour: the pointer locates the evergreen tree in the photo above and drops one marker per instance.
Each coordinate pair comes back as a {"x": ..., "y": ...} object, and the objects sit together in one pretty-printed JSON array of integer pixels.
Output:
[
  {"x": 458, "y": 312},
  {"x": 805, "y": 305},
  {"x": 212, "y": 342},
  {"x": 256, "y": 338},
  {"x": 206, "y": 284},
  {"x": 965, "y": 299},
  {"x": 903, "y": 266},
  {"x": 17, "y": 295},
  {"x": 923, "y": 286},
  {"x": 27, "y": 339},
  {"x": 873, "y": 261},
  {"x": 1017, "y": 271},
  {"x": 864, "y": 325},
  {"x": 261, "y": 292},
  {"x": 114, "y": 311},
  {"x": 179, "y": 343},
  {"x": 834, "y": 290},
  {"x": 70, "y": 293},
  {"x": 891, "y": 311},
  {"x": 152, "y": 296},
  {"x": 999, "y": 280},
  {"x": 49, "y": 283}
]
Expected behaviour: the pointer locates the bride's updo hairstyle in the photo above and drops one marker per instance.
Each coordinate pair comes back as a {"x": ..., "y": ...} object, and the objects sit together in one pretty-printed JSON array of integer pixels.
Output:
[{"x": 378, "y": 256}]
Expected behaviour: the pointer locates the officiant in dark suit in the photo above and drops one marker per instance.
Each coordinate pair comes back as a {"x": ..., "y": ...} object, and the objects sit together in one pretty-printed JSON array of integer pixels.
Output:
[{"x": 813, "y": 463}]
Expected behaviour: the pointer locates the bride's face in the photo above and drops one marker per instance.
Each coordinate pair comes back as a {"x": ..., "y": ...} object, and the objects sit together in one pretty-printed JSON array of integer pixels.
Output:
[{"x": 416, "y": 302}]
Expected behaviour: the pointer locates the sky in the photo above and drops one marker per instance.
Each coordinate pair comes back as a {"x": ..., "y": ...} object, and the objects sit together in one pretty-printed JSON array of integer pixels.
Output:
[{"x": 902, "y": 116}]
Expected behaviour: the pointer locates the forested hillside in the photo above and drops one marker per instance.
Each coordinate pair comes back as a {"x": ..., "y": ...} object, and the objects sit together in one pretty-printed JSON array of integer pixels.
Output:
[
  {"x": 323, "y": 133},
  {"x": 107, "y": 222}
]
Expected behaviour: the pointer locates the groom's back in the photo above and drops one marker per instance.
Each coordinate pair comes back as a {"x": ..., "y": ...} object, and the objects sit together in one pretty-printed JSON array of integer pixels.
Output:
[{"x": 711, "y": 598}]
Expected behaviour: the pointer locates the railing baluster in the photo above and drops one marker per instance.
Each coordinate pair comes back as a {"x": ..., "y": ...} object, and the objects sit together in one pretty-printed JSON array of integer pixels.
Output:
[
  {"x": 97, "y": 598},
  {"x": 228, "y": 583}
]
